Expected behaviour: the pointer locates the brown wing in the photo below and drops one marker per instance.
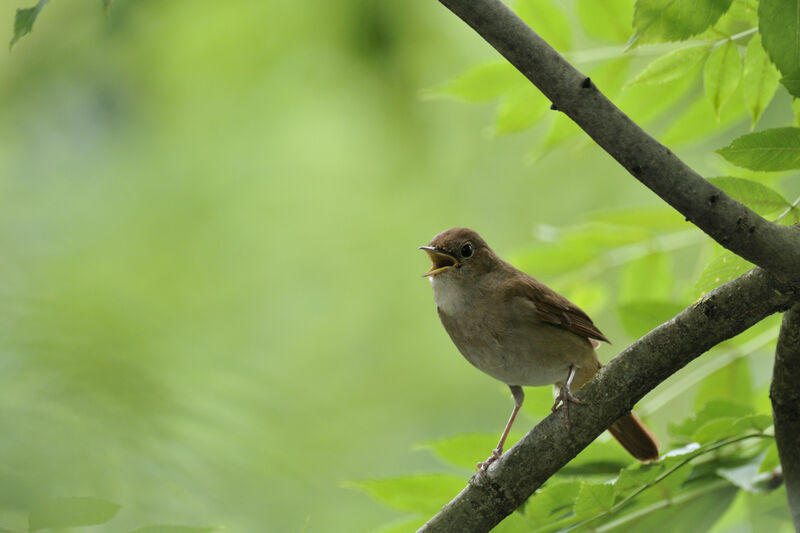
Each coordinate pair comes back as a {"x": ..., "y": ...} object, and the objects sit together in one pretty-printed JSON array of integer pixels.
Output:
[{"x": 551, "y": 307}]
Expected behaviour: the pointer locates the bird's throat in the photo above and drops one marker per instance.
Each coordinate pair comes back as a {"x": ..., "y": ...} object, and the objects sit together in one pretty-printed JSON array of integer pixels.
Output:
[{"x": 449, "y": 295}]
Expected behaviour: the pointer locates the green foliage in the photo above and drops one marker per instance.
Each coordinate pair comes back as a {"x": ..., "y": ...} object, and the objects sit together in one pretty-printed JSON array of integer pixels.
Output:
[
  {"x": 774, "y": 149},
  {"x": 487, "y": 81},
  {"x": 672, "y": 20},
  {"x": 593, "y": 499},
  {"x": 733, "y": 380},
  {"x": 719, "y": 33},
  {"x": 23, "y": 21},
  {"x": 759, "y": 80},
  {"x": 722, "y": 73},
  {"x": 796, "y": 109},
  {"x": 71, "y": 512},
  {"x": 640, "y": 317},
  {"x": 792, "y": 83},
  {"x": 462, "y": 450},
  {"x": 673, "y": 65},
  {"x": 650, "y": 277},
  {"x": 607, "y": 21},
  {"x": 699, "y": 120},
  {"x": 549, "y": 19},
  {"x": 102, "y": 296},
  {"x": 699, "y": 481},
  {"x": 520, "y": 109},
  {"x": 687, "y": 483},
  {"x": 780, "y": 29},
  {"x": 758, "y": 197},
  {"x": 422, "y": 493},
  {"x": 173, "y": 529},
  {"x": 708, "y": 413}
]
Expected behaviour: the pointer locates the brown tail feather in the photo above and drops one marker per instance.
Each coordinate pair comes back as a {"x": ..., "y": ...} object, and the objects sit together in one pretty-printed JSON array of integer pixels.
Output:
[{"x": 635, "y": 437}]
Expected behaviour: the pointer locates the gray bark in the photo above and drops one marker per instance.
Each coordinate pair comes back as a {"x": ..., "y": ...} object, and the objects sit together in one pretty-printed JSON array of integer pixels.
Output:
[{"x": 785, "y": 395}]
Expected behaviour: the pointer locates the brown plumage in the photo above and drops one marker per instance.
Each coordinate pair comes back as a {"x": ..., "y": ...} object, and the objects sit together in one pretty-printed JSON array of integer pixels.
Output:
[{"x": 519, "y": 331}]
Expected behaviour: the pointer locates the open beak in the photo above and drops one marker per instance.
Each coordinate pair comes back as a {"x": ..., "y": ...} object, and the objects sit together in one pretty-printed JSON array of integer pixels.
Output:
[{"x": 440, "y": 260}]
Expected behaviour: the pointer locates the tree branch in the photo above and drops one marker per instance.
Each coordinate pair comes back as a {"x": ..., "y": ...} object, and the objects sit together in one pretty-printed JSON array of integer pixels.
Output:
[
  {"x": 785, "y": 395},
  {"x": 722, "y": 314},
  {"x": 737, "y": 228}
]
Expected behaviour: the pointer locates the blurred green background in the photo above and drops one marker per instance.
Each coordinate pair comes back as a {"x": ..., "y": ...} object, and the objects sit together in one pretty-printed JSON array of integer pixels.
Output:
[{"x": 211, "y": 309}]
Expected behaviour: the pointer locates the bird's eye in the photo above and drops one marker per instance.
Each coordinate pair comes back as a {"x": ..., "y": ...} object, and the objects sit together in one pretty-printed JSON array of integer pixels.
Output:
[{"x": 466, "y": 250}]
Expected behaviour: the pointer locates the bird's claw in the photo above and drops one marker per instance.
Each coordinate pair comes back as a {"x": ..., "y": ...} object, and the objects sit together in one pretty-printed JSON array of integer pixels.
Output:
[
  {"x": 564, "y": 398},
  {"x": 483, "y": 466}
]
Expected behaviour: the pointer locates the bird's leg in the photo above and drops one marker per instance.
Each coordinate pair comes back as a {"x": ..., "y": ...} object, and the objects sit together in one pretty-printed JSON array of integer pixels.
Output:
[
  {"x": 519, "y": 397},
  {"x": 565, "y": 396}
]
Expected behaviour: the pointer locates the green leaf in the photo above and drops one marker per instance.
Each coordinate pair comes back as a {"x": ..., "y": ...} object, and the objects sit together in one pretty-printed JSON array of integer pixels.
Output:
[
  {"x": 548, "y": 20},
  {"x": 520, "y": 110},
  {"x": 561, "y": 130},
  {"x": 741, "y": 17},
  {"x": 638, "y": 476},
  {"x": 513, "y": 523},
  {"x": 713, "y": 410},
  {"x": 779, "y": 24},
  {"x": 71, "y": 512},
  {"x": 608, "y": 20},
  {"x": 768, "y": 511},
  {"x": 771, "y": 459},
  {"x": 724, "y": 267},
  {"x": 723, "y": 428},
  {"x": 792, "y": 82},
  {"x": 402, "y": 526},
  {"x": 644, "y": 103},
  {"x": 745, "y": 11},
  {"x": 796, "y": 109},
  {"x": 743, "y": 476},
  {"x": 674, "y": 20},
  {"x": 600, "y": 457},
  {"x": 482, "y": 82},
  {"x": 774, "y": 149},
  {"x": 642, "y": 316},
  {"x": 591, "y": 297},
  {"x": 551, "y": 259},
  {"x": 593, "y": 498},
  {"x": 732, "y": 382},
  {"x": 423, "y": 493},
  {"x": 551, "y": 503},
  {"x": 173, "y": 529},
  {"x": 603, "y": 236},
  {"x": 695, "y": 510},
  {"x": 760, "y": 79},
  {"x": 758, "y": 197},
  {"x": 699, "y": 121},
  {"x": 656, "y": 218},
  {"x": 673, "y": 65},
  {"x": 467, "y": 449},
  {"x": 721, "y": 74},
  {"x": 647, "y": 278},
  {"x": 23, "y": 21}
]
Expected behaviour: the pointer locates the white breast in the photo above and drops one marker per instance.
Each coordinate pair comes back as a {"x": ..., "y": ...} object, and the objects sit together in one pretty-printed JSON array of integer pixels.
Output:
[{"x": 448, "y": 296}]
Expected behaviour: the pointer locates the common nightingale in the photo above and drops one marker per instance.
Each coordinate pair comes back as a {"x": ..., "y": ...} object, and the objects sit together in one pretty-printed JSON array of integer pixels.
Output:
[{"x": 519, "y": 331}]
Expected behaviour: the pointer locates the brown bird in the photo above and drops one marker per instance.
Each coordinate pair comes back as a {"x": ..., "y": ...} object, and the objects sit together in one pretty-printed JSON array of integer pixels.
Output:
[{"x": 516, "y": 329}]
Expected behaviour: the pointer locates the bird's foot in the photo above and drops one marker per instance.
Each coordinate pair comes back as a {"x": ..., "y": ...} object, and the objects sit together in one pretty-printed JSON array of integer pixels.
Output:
[
  {"x": 483, "y": 466},
  {"x": 564, "y": 398}
]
